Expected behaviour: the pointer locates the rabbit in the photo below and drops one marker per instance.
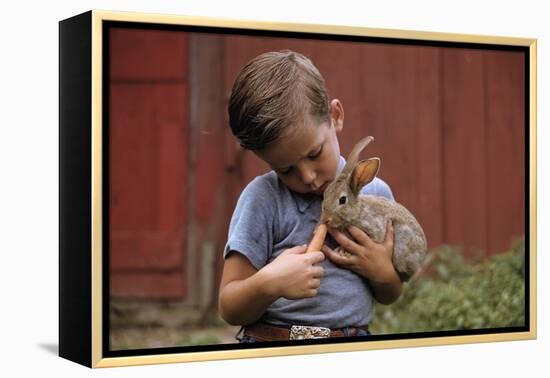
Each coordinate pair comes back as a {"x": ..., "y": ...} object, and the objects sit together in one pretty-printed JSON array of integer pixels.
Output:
[{"x": 342, "y": 206}]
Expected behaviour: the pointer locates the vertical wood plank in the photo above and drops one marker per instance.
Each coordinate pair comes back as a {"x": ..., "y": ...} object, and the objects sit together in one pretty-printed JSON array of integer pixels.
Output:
[
  {"x": 506, "y": 131},
  {"x": 209, "y": 187},
  {"x": 464, "y": 144},
  {"x": 148, "y": 162},
  {"x": 428, "y": 206},
  {"x": 148, "y": 179}
]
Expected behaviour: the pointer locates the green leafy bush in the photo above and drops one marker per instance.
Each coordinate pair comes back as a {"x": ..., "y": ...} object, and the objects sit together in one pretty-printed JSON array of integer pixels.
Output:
[{"x": 457, "y": 295}]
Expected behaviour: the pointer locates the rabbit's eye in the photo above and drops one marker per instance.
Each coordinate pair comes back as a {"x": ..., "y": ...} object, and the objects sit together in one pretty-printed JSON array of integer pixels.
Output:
[{"x": 342, "y": 200}]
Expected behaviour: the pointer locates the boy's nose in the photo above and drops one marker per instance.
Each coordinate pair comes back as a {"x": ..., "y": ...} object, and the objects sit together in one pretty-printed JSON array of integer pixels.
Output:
[{"x": 308, "y": 176}]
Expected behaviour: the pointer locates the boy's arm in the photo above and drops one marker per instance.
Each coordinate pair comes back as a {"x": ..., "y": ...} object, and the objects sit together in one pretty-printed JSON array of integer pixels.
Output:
[
  {"x": 388, "y": 290},
  {"x": 242, "y": 287}
]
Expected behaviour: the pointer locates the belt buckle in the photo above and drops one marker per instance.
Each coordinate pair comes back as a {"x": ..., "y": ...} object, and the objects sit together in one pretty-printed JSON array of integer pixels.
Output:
[{"x": 307, "y": 332}]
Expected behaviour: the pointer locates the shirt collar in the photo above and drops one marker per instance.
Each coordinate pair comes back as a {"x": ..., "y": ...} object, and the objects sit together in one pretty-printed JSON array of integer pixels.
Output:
[{"x": 303, "y": 201}]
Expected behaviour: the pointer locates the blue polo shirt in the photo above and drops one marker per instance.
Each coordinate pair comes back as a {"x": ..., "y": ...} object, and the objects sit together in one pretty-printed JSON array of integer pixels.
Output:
[{"x": 270, "y": 218}]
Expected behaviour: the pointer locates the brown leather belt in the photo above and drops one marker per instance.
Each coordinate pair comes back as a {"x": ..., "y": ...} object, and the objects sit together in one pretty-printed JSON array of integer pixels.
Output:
[{"x": 264, "y": 332}]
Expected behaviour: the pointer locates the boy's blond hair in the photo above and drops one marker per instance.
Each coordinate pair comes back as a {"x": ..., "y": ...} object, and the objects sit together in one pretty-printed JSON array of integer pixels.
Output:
[{"x": 273, "y": 92}]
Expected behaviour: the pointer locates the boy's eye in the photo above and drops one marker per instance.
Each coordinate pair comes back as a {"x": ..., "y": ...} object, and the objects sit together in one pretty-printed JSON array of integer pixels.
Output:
[{"x": 317, "y": 153}]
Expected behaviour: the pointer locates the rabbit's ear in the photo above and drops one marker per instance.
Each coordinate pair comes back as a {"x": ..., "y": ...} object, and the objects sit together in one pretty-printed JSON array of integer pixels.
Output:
[
  {"x": 363, "y": 173},
  {"x": 353, "y": 157}
]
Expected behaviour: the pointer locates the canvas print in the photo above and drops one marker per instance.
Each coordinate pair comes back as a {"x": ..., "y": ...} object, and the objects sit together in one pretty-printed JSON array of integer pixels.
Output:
[{"x": 227, "y": 151}]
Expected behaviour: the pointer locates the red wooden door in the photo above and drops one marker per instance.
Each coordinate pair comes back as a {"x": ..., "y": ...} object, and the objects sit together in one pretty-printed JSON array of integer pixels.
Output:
[{"x": 148, "y": 162}]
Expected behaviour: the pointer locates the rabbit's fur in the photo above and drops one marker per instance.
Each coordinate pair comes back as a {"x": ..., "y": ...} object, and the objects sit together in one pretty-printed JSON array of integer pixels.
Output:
[{"x": 342, "y": 206}]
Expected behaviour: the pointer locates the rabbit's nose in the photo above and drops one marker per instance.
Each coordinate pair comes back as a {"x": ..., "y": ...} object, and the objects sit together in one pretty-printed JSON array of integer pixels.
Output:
[{"x": 326, "y": 219}]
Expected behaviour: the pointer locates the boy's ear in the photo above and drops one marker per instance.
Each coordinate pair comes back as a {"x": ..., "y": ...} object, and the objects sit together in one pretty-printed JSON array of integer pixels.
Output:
[
  {"x": 336, "y": 110},
  {"x": 363, "y": 173}
]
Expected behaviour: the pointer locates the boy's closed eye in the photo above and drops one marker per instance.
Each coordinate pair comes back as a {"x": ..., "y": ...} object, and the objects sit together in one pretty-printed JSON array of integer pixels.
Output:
[
  {"x": 311, "y": 156},
  {"x": 317, "y": 153}
]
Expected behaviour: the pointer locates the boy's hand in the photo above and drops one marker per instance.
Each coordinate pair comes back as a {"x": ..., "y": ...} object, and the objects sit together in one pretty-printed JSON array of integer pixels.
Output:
[
  {"x": 293, "y": 275},
  {"x": 367, "y": 258}
]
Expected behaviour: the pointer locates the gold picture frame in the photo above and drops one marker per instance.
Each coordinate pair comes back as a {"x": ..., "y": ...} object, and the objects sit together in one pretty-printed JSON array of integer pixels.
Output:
[{"x": 84, "y": 267}]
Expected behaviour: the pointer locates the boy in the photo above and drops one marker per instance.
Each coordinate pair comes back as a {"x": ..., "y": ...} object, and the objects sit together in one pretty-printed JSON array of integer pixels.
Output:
[{"x": 279, "y": 109}]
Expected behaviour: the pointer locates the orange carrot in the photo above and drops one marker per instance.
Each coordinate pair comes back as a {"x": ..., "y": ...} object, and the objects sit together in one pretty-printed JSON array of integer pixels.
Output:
[{"x": 318, "y": 238}]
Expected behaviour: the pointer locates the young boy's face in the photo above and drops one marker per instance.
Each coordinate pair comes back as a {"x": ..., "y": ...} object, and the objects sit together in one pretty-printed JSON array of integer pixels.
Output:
[{"x": 306, "y": 158}]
